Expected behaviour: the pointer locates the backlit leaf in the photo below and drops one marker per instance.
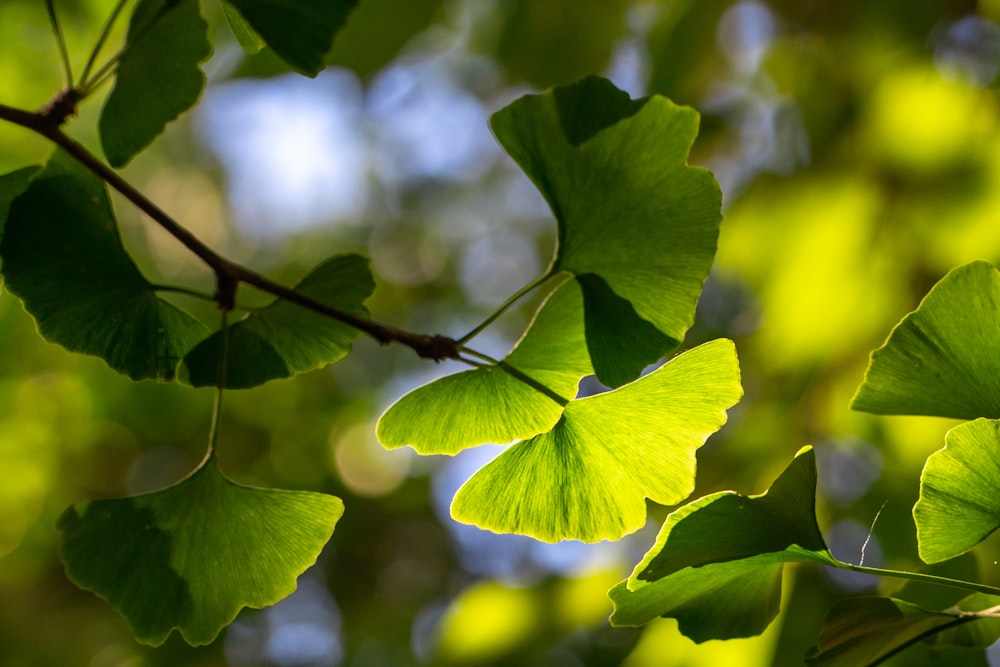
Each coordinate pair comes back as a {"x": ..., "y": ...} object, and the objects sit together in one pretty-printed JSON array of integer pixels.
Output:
[
  {"x": 158, "y": 77},
  {"x": 299, "y": 31},
  {"x": 284, "y": 339},
  {"x": 614, "y": 173},
  {"x": 716, "y": 565},
  {"x": 587, "y": 479},
  {"x": 64, "y": 258},
  {"x": 943, "y": 359},
  {"x": 959, "y": 505},
  {"x": 192, "y": 555},
  {"x": 869, "y": 630},
  {"x": 489, "y": 405},
  {"x": 247, "y": 37}
]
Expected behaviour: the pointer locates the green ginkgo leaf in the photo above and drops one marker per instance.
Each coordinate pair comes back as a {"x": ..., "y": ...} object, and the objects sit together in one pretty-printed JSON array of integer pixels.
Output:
[
  {"x": 190, "y": 556},
  {"x": 11, "y": 186},
  {"x": 63, "y": 257},
  {"x": 716, "y": 565},
  {"x": 284, "y": 339},
  {"x": 247, "y": 37},
  {"x": 587, "y": 479},
  {"x": 614, "y": 173},
  {"x": 158, "y": 76},
  {"x": 870, "y": 630},
  {"x": 490, "y": 405},
  {"x": 943, "y": 359},
  {"x": 959, "y": 505},
  {"x": 299, "y": 31}
]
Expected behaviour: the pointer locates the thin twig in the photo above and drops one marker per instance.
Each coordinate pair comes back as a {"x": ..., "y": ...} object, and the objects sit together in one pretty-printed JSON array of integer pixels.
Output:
[{"x": 228, "y": 274}]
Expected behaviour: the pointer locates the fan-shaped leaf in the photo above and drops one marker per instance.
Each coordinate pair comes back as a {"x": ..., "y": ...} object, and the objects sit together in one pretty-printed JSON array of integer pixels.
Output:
[
  {"x": 588, "y": 478},
  {"x": 158, "y": 76},
  {"x": 716, "y": 565},
  {"x": 284, "y": 339},
  {"x": 11, "y": 185},
  {"x": 869, "y": 630},
  {"x": 959, "y": 505},
  {"x": 63, "y": 257},
  {"x": 943, "y": 359},
  {"x": 489, "y": 405},
  {"x": 614, "y": 173},
  {"x": 299, "y": 31},
  {"x": 192, "y": 555}
]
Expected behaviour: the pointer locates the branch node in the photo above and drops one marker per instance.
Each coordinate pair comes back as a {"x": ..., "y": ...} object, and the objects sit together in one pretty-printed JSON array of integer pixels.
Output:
[
  {"x": 437, "y": 348},
  {"x": 58, "y": 110},
  {"x": 225, "y": 290}
]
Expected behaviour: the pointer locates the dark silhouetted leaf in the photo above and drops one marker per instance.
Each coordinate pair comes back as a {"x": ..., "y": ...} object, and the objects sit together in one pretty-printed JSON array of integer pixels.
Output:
[{"x": 158, "y": 77}]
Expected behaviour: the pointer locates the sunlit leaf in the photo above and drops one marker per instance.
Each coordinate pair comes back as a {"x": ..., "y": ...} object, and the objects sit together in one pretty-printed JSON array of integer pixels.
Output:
[
  {"x": 716, "y": 565},
  {"x": 248, "y": 38},
  {"x": 64, "y": 258},
  {"x": 284, "y": 339},
  {"x": 192, "y": 555},
  {"x": 869, "y": 630},
  {"x": 299, "y": 31},
  {"x": 489, "y": 405},
  {"x": 614, "y": 173},
  {"x": 158, "y": 77},
  {"x": 587, "y": 479},
  {"x": 959, "y": 505},
  {"x": 943, "y": 359}
]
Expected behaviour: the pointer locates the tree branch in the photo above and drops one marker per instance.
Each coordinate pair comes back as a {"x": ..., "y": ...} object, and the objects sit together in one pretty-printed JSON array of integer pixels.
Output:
[{"x": 48, "y": 123}]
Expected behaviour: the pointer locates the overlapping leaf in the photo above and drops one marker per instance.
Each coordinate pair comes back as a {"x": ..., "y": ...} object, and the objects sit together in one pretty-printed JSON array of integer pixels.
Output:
[
  {"x": 587, "y": 479},
  {"x": 11, "y": 186},
  {"x": 716, "y": 565},
  {"x": 158, "y": 77},
  {"x": 489, "y": 405},
  {"x": 959, "y": 504},
  {"x": 284, "y": 339},
  {"x": 869, "y": 630},
  {"x": 299, "y": 31},
  {"x": 615, "y": 175},
  {"x": 943, "y": 359},
  {"x": 192, "y": 555},
  {"x": 63, "y": 257}
]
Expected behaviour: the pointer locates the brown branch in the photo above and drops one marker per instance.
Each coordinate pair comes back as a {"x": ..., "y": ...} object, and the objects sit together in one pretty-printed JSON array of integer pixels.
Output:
[{"x": 48, "y": 123}]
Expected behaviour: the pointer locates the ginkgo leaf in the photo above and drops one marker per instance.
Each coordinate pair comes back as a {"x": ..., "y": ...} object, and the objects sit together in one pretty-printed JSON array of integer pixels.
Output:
[
  {"x": 958, "y": 504},
  {"x": 192, "y": 555},
  {"x": 11, "y": 186},
  {"x": 716, "y": 565},
  {"x": 614, "y": 173},
  {"x": 284, "y": 339},
  {"x": 63, "y": 257},
  {"x": 158, "y": 76},
  {"x": 870, "y": 630},
  {"x": 943, "y": 359},
  {"x": 299, "y": 31},
  {"x": 587, "y": 479},
  {"x": 246, "y": 36},
  {"x": 489, "y": 405}
]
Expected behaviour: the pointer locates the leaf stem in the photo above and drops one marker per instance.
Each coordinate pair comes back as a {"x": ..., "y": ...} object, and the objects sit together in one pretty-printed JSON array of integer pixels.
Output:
[
  {"x": 99, "y": 45},
  {"x": 213, "y": 437},
  {"x": 61, "y": 41},
  {"x": 504, "y": 306},
  {"x": 919, "y": 576},
  {"x": 204, "y": 296}
]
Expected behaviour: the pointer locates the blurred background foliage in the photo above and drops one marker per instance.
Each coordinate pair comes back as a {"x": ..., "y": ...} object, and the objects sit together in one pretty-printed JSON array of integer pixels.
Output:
[{"x": 858, "y": 147}]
